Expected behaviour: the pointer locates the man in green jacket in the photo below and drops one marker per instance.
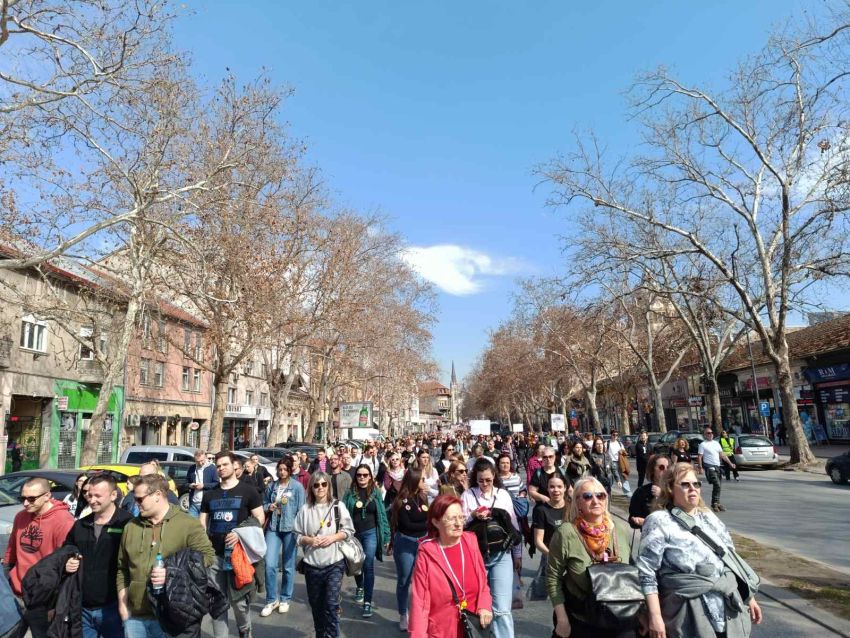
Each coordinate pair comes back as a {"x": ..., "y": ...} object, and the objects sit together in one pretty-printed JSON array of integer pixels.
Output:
[{"x": 160, "y": 528}]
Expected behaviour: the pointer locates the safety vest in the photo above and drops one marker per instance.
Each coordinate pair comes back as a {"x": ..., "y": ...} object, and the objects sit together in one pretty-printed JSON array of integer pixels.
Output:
[{"x": 727, "y": 445}]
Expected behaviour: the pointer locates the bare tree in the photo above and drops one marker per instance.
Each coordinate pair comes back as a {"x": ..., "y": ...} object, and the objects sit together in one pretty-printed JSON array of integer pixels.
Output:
[{"x": 767, "y": 155}]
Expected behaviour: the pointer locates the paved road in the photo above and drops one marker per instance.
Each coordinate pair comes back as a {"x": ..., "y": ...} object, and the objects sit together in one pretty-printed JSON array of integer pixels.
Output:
[{"x": 532, "y": 621}]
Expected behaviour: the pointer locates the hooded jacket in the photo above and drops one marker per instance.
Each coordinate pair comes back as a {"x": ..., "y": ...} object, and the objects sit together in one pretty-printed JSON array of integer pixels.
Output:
[
  {"x": 33, "y": 537},
  {"x": 137, "y": 553}
]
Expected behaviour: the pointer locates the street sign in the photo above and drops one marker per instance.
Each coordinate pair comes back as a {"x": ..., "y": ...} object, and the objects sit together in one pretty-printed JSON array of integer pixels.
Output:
[
  {"x": 573, "y": 414},
  {"x": 764, "y": 408}
]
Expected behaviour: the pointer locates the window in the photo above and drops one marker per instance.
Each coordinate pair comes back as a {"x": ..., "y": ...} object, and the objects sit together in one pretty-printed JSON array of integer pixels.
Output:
[
  {"x": 33, "y": 334},
  {"x": 231, "y": 395},
  {"x": 264, "y": 400},
  {"x": 249, "y": 397},
  {"x": 263, "y": 370},
  {"x": 161, "y": 337},
  {"x": 199, "y": 350},
  {"x": 249, "y": 366},
  {"x": 146, "y": 332},
  {"x": 144, "y": 370},
  {"x": 144, "y": 457},
  {"x": 185, "y": 379},
  {"x": 86, "y": 352},
  {"x": 187, "y": 341},
  {"x": 158, "y": 373},
  {"x": 196, "y": 380}
]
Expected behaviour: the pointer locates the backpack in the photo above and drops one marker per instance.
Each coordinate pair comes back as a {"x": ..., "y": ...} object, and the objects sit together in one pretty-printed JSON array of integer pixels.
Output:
[{"x": 495, "y": 534}]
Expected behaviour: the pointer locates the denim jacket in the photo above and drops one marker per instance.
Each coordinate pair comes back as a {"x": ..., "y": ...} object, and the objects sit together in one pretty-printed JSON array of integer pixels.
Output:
[{"x": 283, "y": 518}]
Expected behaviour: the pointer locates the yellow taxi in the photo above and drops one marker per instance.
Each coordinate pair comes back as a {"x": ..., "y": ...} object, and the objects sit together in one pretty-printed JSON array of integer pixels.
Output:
[{"x": 121, "y": 471}]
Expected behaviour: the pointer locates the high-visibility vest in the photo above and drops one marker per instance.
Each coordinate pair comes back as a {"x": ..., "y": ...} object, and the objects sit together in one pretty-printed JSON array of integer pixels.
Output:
[{"x": 727, "y": 445}]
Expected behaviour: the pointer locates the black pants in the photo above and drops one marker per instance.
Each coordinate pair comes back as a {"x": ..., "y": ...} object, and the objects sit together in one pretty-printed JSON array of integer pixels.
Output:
[
  {"x": 730, "y": 470},
  {"x": 712, "y": 475},
  {"x": 641, "y": 468},
  {"x": 580, "y": 629},
  {"x": 323, "y": 588},
  {"x": 36, "y": 620}
]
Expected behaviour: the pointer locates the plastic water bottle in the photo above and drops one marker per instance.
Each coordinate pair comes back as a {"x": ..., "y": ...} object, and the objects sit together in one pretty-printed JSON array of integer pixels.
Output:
[{"x": 158, "y": 563}]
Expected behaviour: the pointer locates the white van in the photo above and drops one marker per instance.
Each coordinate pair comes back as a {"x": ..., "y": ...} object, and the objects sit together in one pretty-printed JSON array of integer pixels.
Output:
[{"x": 144, "y": 453}]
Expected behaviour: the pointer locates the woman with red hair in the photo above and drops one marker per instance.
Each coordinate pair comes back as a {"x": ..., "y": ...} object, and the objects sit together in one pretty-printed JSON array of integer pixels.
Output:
[{"x": 448, "y": 559}]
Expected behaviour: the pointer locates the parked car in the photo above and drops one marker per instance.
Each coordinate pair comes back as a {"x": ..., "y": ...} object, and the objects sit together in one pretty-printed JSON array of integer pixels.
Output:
[
  {"x": 272, "y": 453},
  {"x": 121, "y": 471},
  {"x": 144, "y": 453},
  {"x": 177, "y": 471},
  {"x": 312, "y": 449},
  {"x": 665, "y": 444},
  {"x": 61, "y": 484},
  {"x": 270, "y": 465},
  {"x": 652, "y": 439},
  {"x": 629, "y": 441},
  {"x": 838, "y": 468},
  {"x": 752, "y": 450}
]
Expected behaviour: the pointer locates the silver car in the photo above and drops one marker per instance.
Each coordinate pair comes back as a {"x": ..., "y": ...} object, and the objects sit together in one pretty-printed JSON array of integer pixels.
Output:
[{"x": 752, "y": 450}]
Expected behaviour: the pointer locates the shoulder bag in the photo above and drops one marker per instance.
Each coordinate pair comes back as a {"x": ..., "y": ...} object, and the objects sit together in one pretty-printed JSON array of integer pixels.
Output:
[
  {"x": 748, "y": 581},
  {"x": 616, "y": 599},
  {"x": 471, "y": 623},
  {"x": 351, "y": 549}
]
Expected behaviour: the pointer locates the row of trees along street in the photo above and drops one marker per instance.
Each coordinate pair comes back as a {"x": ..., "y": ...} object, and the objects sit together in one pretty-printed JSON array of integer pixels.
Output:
[
  {"x": 730, "y": 215},
  {"x": 167, "y": 190}
]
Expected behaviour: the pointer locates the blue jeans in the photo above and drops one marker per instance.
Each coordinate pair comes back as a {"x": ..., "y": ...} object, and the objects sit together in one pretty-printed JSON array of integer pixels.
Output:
[
  {"x": 143, "y": 628},
  {"x": 104, "y": 622},
  {"x": 194, "y": 509},
  {"x": 366, "y": 578},
  {"x": 280, "y": 546},
  {"x": 500, "y": 577},
  {"x": 404, "y": 555}
]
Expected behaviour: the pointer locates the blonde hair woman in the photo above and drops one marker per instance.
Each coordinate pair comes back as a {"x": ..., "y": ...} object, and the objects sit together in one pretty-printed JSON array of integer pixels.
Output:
[
  {"x": 672, "y": 559},
  {"x": 592, "y": 536}
]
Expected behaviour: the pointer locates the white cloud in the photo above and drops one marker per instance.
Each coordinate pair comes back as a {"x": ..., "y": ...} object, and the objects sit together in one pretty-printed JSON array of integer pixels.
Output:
[{"x": 458, "y": 270}]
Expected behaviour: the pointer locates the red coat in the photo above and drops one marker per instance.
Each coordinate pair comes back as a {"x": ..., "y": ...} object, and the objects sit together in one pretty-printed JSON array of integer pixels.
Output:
[{"x": 433, "y": 613}]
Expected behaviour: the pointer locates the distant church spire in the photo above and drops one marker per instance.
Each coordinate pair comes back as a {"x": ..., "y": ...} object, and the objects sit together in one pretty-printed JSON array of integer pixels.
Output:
[{"x": 454, "y": 376}]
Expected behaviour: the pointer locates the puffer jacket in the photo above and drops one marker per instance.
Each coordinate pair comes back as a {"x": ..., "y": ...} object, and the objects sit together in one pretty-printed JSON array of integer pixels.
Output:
[
  {"x": 48, "y": 585},
  {"x": 188, "y": 593}
]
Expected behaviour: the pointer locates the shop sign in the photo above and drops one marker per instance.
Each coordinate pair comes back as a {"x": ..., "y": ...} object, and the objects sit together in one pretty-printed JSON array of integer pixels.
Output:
[
  {"x": 841, "y": 394},
  {"x": 62, "y": 403},
  {"x": 678, "y": 403},
  {"x": 764, "y": 382},
  {"x": 696, "y": 401},
  {"x": 725, "y": 392},
  {"x": 828, "y": 373}
]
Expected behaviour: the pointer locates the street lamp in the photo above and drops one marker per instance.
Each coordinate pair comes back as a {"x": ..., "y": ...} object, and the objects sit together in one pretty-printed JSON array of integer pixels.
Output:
[{"x": 756, "y": 396}]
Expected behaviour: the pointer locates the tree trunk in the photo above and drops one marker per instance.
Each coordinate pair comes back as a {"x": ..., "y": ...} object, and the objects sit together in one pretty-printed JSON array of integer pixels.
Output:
[
  {"x": 280, "y": 396},
  {"x": 625, "y": 416},
  {"x": 801, "y": 453},
  {"x": 713, "y": 400},
  {"x": 592, "y": 411},
  {"x": 659, "y": 409},
  {"x": 114, "y": 371},
  {"x": 219, "y": 406}
]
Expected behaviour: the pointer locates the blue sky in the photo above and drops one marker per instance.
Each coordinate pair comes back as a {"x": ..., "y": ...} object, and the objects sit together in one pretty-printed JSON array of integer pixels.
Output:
[{"x": 435, "y": 113}]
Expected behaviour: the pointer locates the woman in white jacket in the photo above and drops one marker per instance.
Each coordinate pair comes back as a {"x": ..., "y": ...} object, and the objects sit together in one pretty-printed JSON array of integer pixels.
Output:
[
  {"x": 320, "y": 526},
  {"x": 486, "y": 493}
]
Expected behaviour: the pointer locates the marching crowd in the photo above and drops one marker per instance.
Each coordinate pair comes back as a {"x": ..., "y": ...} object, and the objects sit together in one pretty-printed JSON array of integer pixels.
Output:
[{"x": 453, "y": 513}]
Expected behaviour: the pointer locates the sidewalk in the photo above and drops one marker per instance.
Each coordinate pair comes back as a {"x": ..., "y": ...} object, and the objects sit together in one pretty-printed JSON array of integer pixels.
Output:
[{"x": 820, "y": 451}]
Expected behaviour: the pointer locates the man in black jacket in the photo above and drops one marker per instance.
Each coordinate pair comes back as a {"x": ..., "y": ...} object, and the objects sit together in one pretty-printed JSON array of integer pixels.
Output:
[{"x": 98, "y": 537}]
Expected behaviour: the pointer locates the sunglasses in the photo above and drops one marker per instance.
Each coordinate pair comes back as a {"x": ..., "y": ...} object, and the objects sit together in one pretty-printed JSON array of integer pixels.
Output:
[
  {"x": 600, "y": 496},
  {"x": 686, "y": 485},
  {"x": 362, "y": 475},
  {"x": 140, "y": 499},
  {"x": 31, "y": 499},
  {"x": 460, "y": 471},
  {"x": 320, "y": 484},
  {"x": 548, "y": 456}
]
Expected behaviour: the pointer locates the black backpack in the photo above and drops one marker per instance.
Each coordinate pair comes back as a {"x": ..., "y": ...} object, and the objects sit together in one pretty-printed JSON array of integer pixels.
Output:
[{"x": 495, "y": 534}]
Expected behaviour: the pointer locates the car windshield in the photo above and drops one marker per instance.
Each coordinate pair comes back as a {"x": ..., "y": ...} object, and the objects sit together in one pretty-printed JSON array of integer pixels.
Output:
[{"x": 755, "y": 441}]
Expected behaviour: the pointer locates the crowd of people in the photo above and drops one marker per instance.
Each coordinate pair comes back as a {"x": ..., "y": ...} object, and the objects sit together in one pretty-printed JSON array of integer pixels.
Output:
[{"x": 454, "y": 513}]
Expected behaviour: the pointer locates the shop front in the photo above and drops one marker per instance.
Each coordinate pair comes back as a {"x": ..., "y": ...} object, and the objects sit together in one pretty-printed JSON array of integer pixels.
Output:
[
  {"x": 71, "y": 415},
  {"x": 731, "y": 409},
  {"x": 831, "y": 420}
]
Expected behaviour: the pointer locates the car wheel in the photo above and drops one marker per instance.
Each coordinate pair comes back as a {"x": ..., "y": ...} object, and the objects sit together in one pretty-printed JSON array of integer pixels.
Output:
[
  {"x": 837, "y": 477},
  {"x": 184, "y": 502}
]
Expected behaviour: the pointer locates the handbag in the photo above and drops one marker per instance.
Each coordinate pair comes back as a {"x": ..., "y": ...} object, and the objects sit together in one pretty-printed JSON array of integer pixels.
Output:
[
  {"x": 351, "y": 549},
  {"x": 748, "y": 581},
  {"x": 616, "y": 598},
  {"x": 471, "y": 623}
]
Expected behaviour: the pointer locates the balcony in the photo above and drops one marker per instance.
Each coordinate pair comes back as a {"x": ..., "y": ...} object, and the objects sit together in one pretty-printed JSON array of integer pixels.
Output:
[{"x": 263, "y": 414}]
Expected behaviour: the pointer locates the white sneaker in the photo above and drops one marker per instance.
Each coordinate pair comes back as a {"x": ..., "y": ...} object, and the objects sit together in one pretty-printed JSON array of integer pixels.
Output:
[
  {"x": 402, "y": 623},
  {"x": 269, "y": 608},
  {"x": 283, "y": 608}
]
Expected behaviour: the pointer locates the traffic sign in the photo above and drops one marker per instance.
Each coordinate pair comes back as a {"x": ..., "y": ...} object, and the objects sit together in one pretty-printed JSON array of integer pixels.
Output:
[
  {"x": 573, "y": 414},
  {"x": 764, "y": 408}
]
